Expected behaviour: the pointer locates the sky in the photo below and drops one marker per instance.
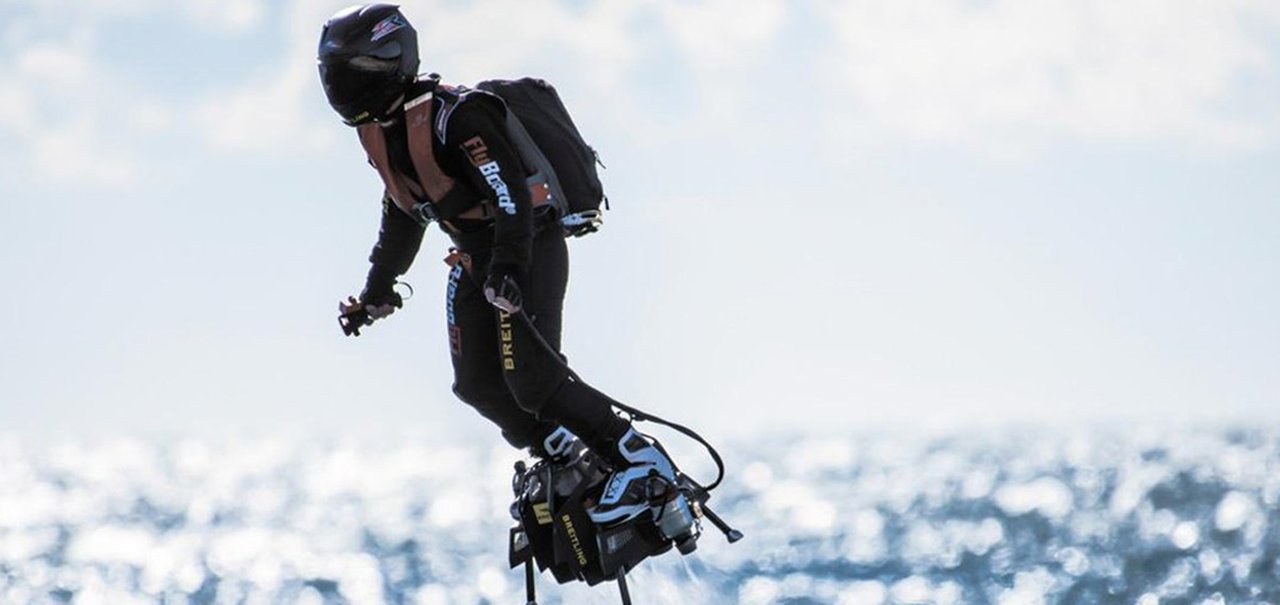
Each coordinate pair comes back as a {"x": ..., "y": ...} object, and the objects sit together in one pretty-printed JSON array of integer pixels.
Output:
[{"x": 827, "y": 215}]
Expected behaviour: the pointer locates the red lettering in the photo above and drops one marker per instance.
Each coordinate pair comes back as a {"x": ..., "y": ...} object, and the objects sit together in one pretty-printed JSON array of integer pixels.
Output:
[{"x": 476, "y": 150}]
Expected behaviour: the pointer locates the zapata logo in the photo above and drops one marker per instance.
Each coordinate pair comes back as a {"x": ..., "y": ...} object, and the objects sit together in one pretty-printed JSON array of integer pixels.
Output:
[{"x": 386, "y": 26}]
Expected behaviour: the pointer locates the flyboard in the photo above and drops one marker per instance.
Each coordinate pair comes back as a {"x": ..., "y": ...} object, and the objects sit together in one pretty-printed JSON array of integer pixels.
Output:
[{"x": 554, "y": 532}]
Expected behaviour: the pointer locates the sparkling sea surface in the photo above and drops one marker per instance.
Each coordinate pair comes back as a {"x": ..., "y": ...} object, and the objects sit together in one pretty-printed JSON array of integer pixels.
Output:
[{"x": 1133, "y": 516}]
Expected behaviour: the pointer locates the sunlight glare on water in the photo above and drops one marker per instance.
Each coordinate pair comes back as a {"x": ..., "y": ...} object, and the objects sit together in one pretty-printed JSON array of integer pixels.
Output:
[{"x": 1147, "y": 518}]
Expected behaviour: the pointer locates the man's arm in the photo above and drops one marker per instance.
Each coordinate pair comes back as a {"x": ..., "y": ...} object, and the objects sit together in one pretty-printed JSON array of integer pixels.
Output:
[
  {"x": 492, "y": 165},
  {"x": 399, "y": 238}
]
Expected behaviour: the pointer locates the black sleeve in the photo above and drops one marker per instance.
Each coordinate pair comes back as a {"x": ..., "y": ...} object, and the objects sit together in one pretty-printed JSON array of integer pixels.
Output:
[
  {"x": 490, "y": 163},
  {"x": 398, "y": 241}
]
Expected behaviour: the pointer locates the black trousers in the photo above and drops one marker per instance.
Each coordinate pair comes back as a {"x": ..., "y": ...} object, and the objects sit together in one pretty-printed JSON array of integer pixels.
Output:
[{"x": 500, "y": 368}]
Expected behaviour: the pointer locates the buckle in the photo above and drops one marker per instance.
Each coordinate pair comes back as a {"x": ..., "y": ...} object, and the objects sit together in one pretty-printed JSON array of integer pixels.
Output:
[
  {"x": 581, "y": 223},
  {"x": 427, "y": 211}
]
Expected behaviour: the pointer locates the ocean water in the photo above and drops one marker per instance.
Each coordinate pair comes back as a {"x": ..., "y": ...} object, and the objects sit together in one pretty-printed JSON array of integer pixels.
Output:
[{"x": 1143, "y": 517}]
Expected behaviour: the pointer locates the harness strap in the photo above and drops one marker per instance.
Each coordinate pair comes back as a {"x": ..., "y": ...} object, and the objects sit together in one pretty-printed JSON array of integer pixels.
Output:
[
  {"x": 457, "y": 257},
  {"x": 446, "y": 200},
  {"x": 438, "y": 185},
  {"x": 434, "y": 195},
  {"x": 398, "y": 186}
]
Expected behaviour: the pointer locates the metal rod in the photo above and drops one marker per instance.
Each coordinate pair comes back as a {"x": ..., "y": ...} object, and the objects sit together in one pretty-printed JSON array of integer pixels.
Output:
[
  {"x": 622, "y": 587},
  {"x": 530, "y": 593},
  {"x": 732, "y": 534}
]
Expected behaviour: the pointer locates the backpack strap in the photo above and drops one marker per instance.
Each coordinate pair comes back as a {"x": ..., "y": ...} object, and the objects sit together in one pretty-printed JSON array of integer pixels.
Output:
[
  {"x": 451, "y": 96},
  {"x": 543, "y": 183},
  {"x": 544, "y": 187}
]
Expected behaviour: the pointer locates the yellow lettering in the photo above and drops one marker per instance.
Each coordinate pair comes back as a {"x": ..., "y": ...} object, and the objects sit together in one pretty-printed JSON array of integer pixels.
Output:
[
  {"x": 573, "y": 540},
  {"x": 542, "y": 512},
  {"x": 505, "y": 333}
]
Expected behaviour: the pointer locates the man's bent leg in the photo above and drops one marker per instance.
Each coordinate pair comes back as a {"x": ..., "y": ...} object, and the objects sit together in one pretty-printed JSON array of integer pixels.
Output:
[
  {"x": 537, "y": 376},
  {"x": 535, "y": 372},
  {"x": 477, "y": 373}
]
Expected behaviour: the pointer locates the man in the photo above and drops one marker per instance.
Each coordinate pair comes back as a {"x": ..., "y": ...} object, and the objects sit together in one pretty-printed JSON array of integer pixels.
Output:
[{"x": 445, "y": 155}]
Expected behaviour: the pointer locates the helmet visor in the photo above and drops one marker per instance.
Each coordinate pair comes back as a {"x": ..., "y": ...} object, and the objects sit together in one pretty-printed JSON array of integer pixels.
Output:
[{"x": 357, "y": 85}]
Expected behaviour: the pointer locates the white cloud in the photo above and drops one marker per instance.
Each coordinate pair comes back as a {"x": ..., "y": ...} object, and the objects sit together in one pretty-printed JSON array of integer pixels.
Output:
[
  {"x": 600, "y": 49},
  {"x": 722, "y": 42},
  {"x": 76, "y": 153},
  {"x": 480, "y": 39},
  {"x": 151, "y": 116},
  {"x": 42, "y": 104},
  {"x": 266, "y": 116},
  {"x": 230, "y": 16},
  {"x": 17, "y": 107},
  {"x": 225, "y": 16},
  {"x": 1001, "y": 76},
  {"x": 63, "y": 67},
  {"x": 715, "y": 34},
  {"x": 268, "y": 112},
  {"x": 1015, "y": 73}
]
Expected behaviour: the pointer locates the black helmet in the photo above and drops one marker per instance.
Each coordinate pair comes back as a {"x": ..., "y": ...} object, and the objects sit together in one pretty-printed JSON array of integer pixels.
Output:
[{"x": 368, "y": 53}]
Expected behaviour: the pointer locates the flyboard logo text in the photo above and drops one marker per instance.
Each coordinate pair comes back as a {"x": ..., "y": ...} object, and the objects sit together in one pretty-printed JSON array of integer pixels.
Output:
[{"x": 478, "y": 153}]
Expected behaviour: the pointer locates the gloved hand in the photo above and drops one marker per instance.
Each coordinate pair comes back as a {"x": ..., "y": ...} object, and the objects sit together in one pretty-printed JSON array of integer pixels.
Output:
[
  {"x": 501, "y": 288},
  {"x": 357, "y": 313}
]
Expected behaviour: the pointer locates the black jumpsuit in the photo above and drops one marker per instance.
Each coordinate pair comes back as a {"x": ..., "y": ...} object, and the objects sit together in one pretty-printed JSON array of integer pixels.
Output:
[{"x": 499, "y": 367}]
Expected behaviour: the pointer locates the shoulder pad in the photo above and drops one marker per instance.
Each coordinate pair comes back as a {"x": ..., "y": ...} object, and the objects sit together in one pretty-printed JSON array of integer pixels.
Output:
[{"x": 451, "y": 97}]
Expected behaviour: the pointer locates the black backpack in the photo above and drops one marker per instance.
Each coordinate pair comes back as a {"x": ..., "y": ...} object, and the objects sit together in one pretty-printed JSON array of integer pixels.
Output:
[{"x": 550, "y": 144}]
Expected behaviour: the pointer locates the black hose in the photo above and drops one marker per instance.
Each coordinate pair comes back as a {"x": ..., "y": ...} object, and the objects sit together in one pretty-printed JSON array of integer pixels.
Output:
[{"x": 636, "y": 414}]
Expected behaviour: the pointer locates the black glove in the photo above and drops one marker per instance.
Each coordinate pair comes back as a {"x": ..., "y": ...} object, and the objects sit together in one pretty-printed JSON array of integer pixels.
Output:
[
  {"x": 356, "y": 314},
  {"x": 501, "y": 288}
]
